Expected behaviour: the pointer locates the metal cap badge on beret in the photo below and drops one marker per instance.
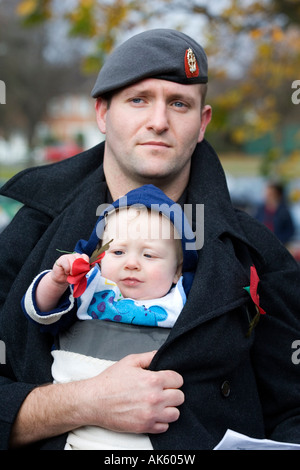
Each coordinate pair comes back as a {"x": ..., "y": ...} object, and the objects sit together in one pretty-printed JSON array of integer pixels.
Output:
[{"x": 159, "y": 53}]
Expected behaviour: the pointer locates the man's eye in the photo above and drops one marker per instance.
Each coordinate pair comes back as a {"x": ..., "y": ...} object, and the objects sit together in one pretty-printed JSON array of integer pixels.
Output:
[
  {"x": 137, "y": 100},
  {"x": 178, "y": 104}
]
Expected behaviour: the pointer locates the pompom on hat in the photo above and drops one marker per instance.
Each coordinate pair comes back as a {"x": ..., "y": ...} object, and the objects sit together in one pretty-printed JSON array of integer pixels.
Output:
[{"x": 164, "y": 54}]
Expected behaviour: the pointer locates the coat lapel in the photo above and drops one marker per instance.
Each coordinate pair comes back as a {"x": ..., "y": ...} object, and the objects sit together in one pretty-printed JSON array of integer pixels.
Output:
[
  {"x": 219, "y": 281},
  {"x": 218, "y": 287}
]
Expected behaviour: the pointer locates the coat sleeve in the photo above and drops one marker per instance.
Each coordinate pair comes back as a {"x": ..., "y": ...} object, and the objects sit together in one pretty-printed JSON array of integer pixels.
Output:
[
  {"x": 14, "y": 250},
  {"x": 16, "y": 243},
  {"x": 55, "y": 197},
  {"x": 277, "y": 374}
]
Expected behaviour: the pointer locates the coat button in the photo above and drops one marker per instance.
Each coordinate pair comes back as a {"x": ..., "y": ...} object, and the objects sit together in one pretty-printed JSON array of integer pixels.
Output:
[{"x": 225, "y": 389}]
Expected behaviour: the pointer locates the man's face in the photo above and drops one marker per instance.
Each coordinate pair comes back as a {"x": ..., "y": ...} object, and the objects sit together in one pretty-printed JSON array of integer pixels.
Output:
[{"x": 152, "y": 128}]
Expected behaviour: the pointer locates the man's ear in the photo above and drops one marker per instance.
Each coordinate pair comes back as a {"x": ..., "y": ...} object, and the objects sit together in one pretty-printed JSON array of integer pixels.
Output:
[
  {"x": 101, "y": 107},
  {"x": 206, "y": 115}
]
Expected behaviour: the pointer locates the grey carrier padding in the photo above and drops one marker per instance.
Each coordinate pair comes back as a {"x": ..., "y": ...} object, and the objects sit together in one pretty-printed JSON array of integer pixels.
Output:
[{"x": 110, "y": 340}]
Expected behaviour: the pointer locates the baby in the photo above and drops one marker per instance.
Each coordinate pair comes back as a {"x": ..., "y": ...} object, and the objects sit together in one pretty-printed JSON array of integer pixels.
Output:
[
  {"x": 142, "y": 267},
  {"x": 142, "y": 263},
  {"x": 139, "y": 287}
]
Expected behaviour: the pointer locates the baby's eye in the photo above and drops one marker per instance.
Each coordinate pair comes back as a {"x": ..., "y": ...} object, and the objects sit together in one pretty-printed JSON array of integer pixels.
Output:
[
  {"x": 148, "y": 255},
  {"x": 118, "y": 252}
]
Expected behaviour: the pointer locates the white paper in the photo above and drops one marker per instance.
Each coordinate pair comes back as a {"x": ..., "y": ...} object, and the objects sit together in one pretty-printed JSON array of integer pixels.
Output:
[{"x": 235, "y": 441}]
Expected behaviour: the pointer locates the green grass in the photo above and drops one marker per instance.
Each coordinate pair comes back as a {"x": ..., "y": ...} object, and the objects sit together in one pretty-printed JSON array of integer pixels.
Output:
[
  {"x": 8, "y": 171},
  {"x": 241, "y": 165}
]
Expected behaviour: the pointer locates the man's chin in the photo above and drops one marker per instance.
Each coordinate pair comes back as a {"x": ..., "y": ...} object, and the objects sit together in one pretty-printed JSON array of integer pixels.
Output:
[
  {"x": 155, "y": 178},
  {"x": 155, "y": 171}
]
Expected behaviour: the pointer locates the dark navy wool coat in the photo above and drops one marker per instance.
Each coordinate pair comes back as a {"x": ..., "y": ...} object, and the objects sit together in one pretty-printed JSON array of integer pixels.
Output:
[{"x": 231, "y": 380}]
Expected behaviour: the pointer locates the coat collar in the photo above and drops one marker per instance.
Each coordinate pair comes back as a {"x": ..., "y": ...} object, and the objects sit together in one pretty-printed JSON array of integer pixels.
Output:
[
  {"x": 52, "y": 188},
  {"x": 208, "y": 186}
]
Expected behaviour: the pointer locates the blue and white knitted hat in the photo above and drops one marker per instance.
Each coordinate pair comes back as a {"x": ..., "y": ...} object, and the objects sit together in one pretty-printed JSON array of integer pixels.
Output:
[{"x": 154, "y": 199}]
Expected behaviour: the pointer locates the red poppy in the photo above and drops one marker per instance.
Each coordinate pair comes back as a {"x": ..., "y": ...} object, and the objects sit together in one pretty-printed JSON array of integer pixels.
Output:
[
  {"x": 252, "y": 290},
  {"x": 254, "y": 281},
  {"x": 78, "y": 278}
]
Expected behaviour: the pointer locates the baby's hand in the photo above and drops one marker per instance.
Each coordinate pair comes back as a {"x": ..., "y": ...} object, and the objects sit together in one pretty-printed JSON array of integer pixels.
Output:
[{"x": 63, "y": 267}]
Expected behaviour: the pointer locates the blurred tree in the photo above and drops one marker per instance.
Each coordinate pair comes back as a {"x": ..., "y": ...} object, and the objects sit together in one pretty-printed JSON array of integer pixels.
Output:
[
  {"x": 31, "y": 78},
  {"x": 101, "y": 20},
  {"x": 289, "y": 8},
  {"x": 253, "y": 46},
  {"x": 257, "y": 104},
  {"x": 253, "y": 100}
]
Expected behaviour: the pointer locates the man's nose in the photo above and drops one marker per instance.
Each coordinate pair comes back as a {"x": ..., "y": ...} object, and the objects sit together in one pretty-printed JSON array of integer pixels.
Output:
[{"x": 158, "y": 119}]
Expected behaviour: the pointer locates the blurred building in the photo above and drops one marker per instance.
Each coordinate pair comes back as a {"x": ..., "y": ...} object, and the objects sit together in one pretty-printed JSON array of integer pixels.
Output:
[{"x": 68, "y": 127}]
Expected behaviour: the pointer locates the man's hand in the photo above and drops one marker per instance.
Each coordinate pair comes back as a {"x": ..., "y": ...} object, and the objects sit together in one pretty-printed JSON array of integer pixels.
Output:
[
  {"x": 126, "y": 397},
  {"x": 134, "y": 399}
]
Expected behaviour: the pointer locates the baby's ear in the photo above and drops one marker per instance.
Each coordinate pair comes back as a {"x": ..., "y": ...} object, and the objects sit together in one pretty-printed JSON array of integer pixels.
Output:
[{"x": 177, "y": 274}]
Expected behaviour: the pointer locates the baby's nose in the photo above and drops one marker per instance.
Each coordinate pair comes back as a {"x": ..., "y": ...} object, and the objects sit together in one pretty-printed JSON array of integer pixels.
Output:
[{"x": 132, "y": 262}]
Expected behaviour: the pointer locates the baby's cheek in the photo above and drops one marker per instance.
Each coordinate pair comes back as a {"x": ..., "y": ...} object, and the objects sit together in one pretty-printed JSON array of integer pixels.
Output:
[
  {"x": 160, "y": 276},
  {"x": 107, "y": 270}
]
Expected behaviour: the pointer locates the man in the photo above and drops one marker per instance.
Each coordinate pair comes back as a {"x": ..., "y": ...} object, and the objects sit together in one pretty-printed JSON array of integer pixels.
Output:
[{"x": 215, "y": 370}]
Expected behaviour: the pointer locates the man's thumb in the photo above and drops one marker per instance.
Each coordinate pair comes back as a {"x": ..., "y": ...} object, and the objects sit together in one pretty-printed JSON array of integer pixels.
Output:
[{"x": 143, "y": 360}]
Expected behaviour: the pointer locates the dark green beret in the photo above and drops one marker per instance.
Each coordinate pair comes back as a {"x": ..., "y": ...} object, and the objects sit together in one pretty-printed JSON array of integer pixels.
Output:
[{"x": 159, "y": 53}]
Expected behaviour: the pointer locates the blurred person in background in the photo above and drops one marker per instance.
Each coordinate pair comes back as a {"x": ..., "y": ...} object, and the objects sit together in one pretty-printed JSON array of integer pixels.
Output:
[{"x": 274, "y": 213}]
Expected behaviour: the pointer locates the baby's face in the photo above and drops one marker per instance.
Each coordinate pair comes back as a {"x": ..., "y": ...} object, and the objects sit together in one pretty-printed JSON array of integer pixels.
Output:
[{"x": 144, "y": 259}]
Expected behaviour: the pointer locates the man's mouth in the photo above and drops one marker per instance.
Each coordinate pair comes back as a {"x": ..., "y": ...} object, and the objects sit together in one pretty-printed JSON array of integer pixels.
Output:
[{"x": 153, "y": 143}]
